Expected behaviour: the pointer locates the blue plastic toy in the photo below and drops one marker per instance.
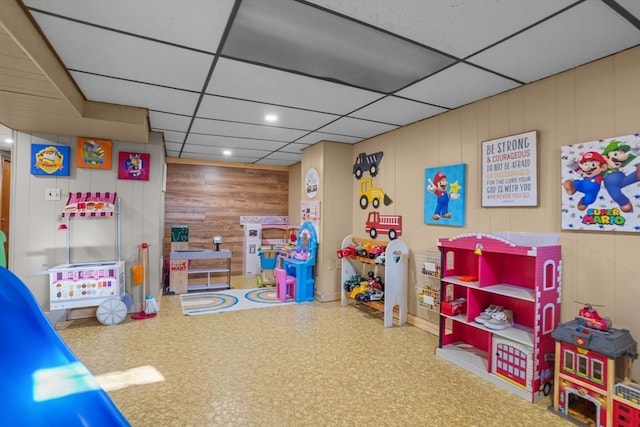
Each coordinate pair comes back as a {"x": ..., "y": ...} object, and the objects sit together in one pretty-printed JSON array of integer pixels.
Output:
[
  {"x": 42, "y": 382},
  {"x": 301, "y": 264}
]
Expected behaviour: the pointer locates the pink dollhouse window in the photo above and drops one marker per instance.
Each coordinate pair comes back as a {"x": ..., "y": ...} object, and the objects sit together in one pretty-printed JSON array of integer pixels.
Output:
[
  {"x": 449, "y": 260},
  {"x": 548, "y": 318},
  {"x": 549, "y": 275}
]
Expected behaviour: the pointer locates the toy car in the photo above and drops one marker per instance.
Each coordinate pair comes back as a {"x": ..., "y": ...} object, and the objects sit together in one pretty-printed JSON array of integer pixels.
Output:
[
  {"x": 370, "y": 295},
  {"x": 376, "y": 251},
  {"x": 347, "y": 252},
  {"x": 352, "y": 283},
  {"x": 358, "y": 289},
  {"x": 363, "y": 250}
]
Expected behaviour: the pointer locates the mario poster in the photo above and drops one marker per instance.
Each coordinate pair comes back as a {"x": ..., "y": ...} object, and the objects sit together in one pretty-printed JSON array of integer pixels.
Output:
[
  {"x": 444, "y": 197},
  {"x": 600, "y": 185}
]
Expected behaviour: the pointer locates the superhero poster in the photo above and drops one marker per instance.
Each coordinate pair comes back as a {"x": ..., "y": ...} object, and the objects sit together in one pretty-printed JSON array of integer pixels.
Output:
[
  {"x": 134, "y": 166},
  {"x": 444, "y": 196},
  {"x": 600, "y": 185}
]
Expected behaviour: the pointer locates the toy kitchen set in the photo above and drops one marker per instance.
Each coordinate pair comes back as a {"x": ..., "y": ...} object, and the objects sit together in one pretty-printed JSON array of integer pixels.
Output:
[{"x": 75, "y": 285}]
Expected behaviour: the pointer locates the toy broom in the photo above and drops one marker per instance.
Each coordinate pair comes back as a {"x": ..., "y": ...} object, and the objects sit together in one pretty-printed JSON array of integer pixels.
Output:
[{"x": 140, "y": 275}]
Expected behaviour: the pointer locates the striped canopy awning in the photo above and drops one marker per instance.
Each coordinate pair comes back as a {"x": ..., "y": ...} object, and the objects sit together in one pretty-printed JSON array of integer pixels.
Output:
[{"x": 90, "y": 204}]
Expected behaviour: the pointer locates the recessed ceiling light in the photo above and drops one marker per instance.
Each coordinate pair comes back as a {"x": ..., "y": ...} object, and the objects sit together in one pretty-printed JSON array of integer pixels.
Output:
[
  {"x": 226, "y": 152},
  {"x": 9, "y": 140},
  {"x": 271, "y": 118}
]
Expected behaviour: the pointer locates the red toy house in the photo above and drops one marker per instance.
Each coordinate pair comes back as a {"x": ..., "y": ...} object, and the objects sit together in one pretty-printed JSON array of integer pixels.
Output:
[
  {"x": 586, "y": 388},
  {"x": 518, "y": 273}
]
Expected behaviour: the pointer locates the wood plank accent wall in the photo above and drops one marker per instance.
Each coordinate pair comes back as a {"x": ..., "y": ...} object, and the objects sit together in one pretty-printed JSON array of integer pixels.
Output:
[{"x": 210, "y": 199}]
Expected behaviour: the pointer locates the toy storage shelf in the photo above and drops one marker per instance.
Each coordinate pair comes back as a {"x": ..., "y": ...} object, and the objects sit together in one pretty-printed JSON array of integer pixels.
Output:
[
  {"x": 519, "y": 272},
  {"x": 395, "y": 276},
  {"x": 219, "y": 263}
]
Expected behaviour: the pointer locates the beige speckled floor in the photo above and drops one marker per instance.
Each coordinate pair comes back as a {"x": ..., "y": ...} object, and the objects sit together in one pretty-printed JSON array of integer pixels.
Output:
[{"x": 310, "y": 364}]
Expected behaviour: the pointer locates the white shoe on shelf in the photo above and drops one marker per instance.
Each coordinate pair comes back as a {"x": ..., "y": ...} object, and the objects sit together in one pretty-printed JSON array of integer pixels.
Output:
[
  {"x": 487, "y": 313},
  {"x": 500, "y": 320}
]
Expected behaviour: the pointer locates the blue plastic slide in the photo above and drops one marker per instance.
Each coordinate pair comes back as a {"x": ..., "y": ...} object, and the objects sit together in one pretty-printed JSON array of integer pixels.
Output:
[{"x": 42, "y": 383}]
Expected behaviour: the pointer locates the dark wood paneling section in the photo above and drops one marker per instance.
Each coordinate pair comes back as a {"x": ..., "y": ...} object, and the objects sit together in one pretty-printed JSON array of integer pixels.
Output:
[{"x": 211, "y": 200}]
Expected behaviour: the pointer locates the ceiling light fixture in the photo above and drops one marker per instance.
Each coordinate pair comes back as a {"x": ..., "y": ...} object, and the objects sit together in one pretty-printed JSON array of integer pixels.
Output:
[
  {"x": 9, "y": 141},
  {"x": 328, "y": 46},
  {"x": 226, "y": 152},
  {"x": 271, "y": 118}
]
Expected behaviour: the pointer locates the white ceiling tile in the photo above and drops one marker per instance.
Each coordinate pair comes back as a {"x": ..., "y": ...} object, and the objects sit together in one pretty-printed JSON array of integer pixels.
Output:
[
  {"x": 632, "y": 6},
  {"x": 457, "y": 86},
  {"x": 165, "y": 121},
  {"x": 274, "y": 162},
  {"x": 459, "y": 27},
  {"x": 357, "y": 127},
  {"x": 117, "y": 55},
  {"x": 219, "y": 157},
  {"x": 315, "y": 137},
  {"x": 114, "y": 91},
  {"x": 176, "y": 137},
  {"x": 243, "y": 130},
  {"x": 173, "y": 146},
  {"x": 591, "y": 31},
  {"x": 397, "y": 111},
  {"x": 293, "y": 148},
  {"x": 157, "y": 19},
  {"x": 219, "y": 108},
  {"x": 279, "y": 155},
  {"x": 221, "y": 141},
  {"x": 246, "y": 81},
  {"x": 218, "y": 151}
]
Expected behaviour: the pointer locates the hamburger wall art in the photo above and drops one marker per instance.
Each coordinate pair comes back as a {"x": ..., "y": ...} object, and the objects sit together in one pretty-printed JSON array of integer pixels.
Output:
[
  {"x": 47, "y": 159},
  {"x": 600, "y": 185}
]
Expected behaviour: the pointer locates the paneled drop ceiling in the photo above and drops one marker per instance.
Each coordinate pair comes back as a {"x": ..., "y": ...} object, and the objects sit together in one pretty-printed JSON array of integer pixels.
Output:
[{"x": 209, "y": 72}]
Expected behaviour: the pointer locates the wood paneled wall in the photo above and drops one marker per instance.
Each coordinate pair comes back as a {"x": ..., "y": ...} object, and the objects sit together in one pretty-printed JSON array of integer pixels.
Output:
[{"x": 210, "y": 199}]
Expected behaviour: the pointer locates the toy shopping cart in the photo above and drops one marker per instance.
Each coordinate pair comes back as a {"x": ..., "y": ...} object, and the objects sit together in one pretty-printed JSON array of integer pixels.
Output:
[{"x": 268, "y": 259}]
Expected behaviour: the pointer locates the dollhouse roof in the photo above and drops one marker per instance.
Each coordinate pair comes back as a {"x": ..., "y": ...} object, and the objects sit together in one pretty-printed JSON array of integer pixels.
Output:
[
  {"x": 612, "y": 343},
  {"x": 512, "y": 243}
]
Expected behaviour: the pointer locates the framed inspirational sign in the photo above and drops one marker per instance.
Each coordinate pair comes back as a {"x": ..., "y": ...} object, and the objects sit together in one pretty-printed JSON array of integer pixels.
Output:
[{"x": 509, "y": 171}]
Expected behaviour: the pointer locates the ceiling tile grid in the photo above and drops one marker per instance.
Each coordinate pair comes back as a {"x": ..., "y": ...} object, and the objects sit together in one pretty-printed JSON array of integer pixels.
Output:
[
  {"x": 209, "y": 72},
  {"x": 591, "y": 31},
  {"x": 196, "y": 24}
]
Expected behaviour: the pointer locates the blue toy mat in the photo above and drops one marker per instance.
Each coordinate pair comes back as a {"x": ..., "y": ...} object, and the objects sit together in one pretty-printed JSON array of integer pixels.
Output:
[{"x": 43, "y": 382}]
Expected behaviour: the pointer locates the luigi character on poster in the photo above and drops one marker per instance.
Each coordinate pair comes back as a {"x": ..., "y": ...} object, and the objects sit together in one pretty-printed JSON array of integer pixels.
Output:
[{"x": 601, "y": 183}]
